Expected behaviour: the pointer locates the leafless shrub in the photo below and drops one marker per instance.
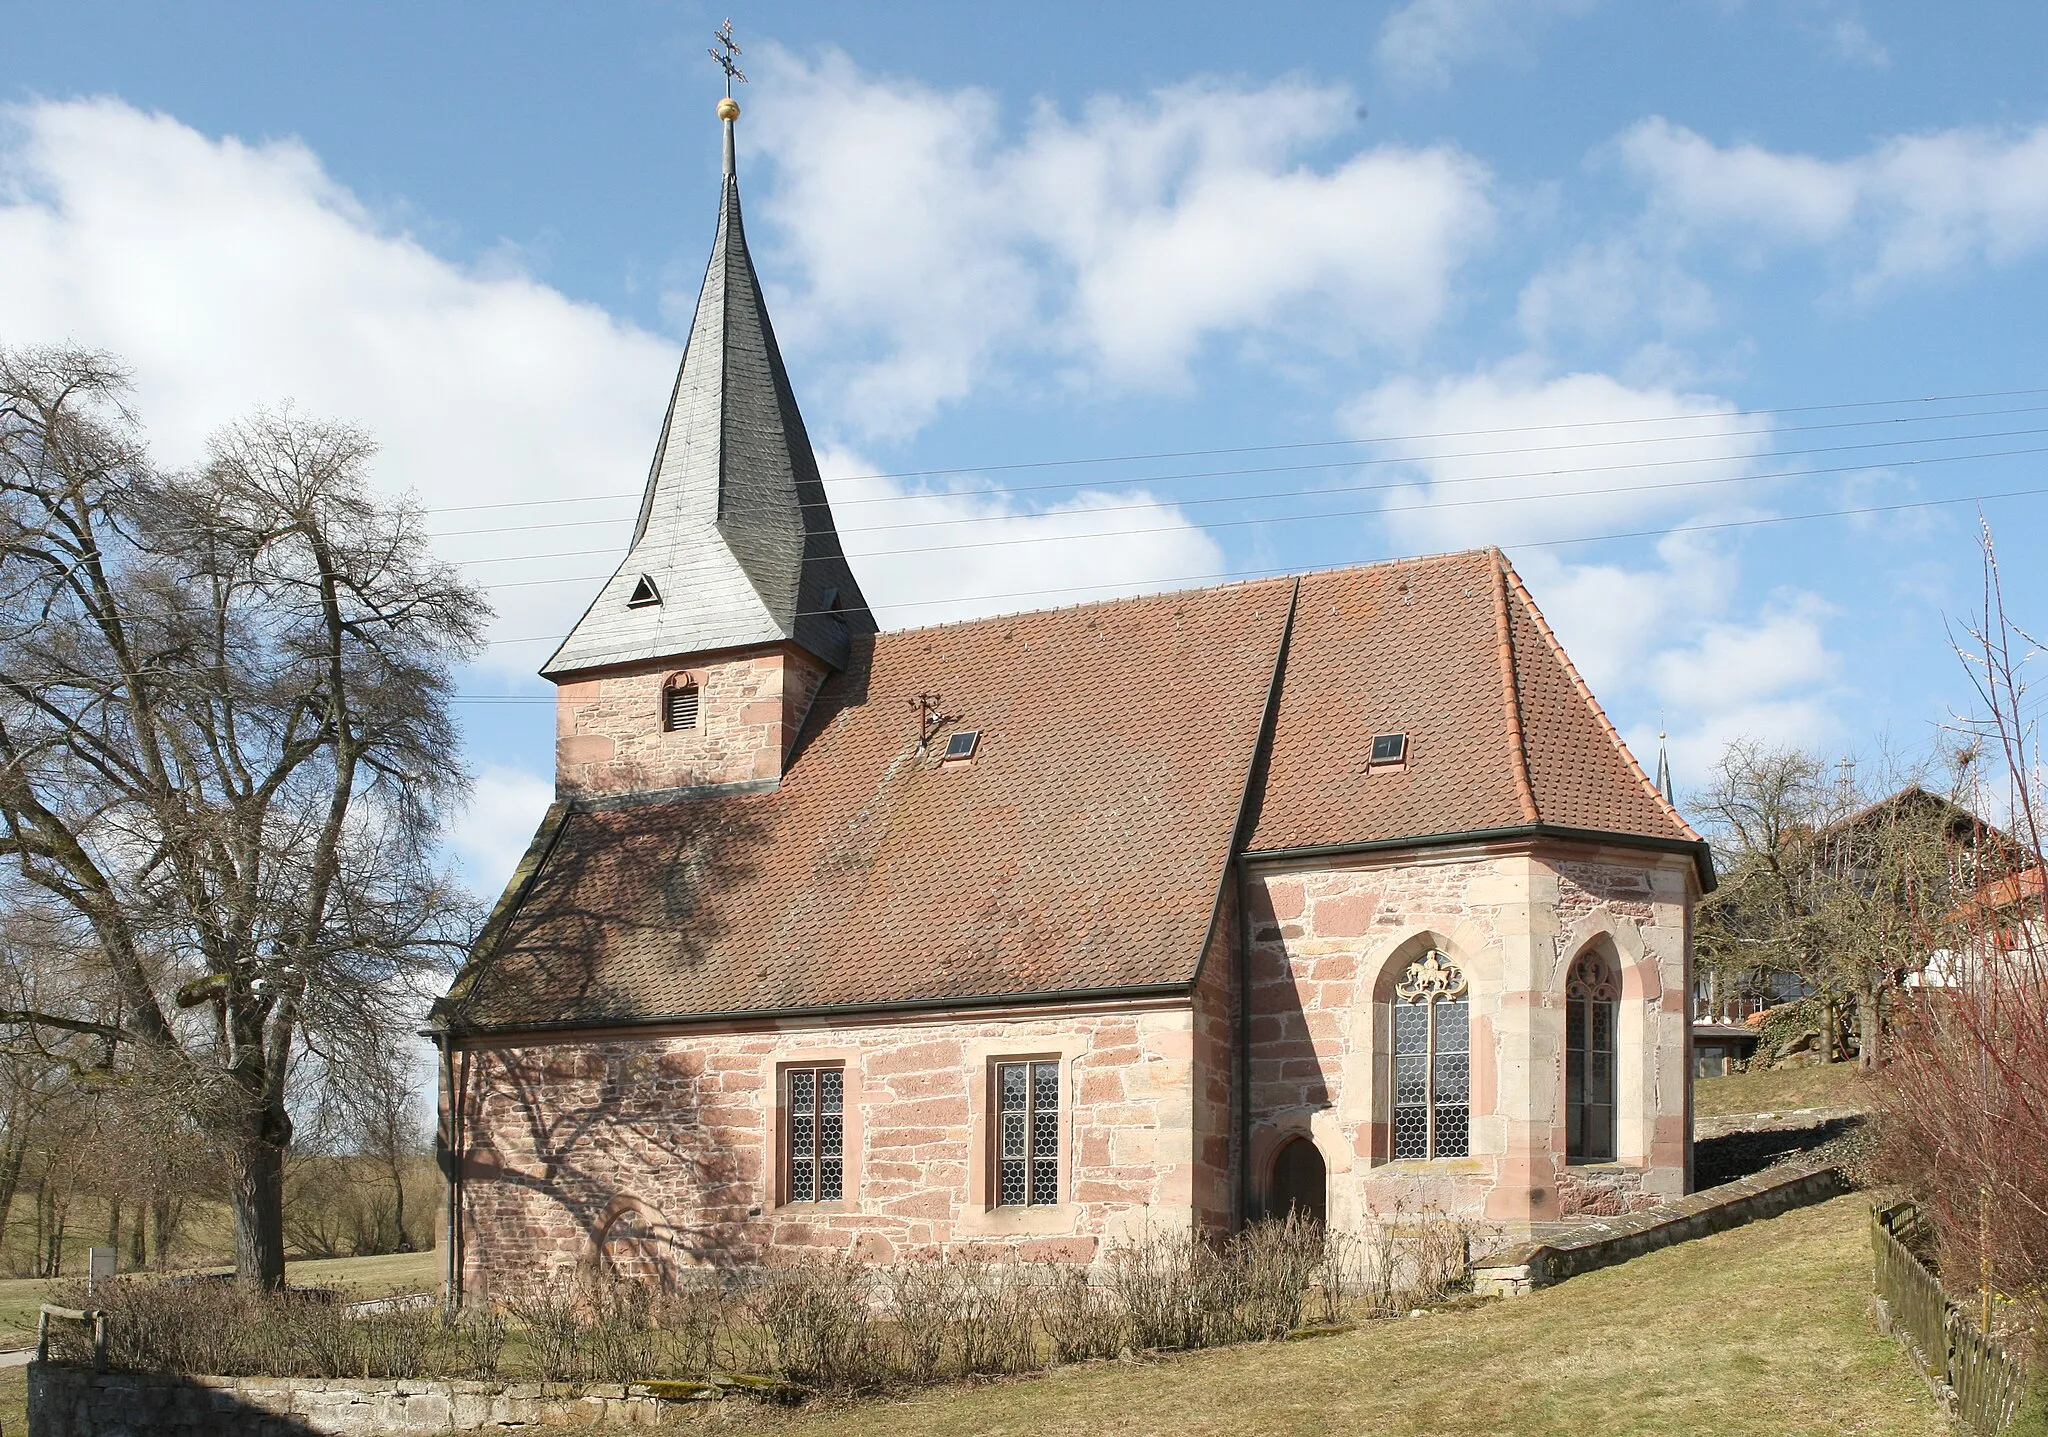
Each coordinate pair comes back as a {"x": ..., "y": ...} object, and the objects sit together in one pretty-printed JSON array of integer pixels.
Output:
[
  {"x": 1266, "y": 1274},
  {"x": 553, "y": 1321},
  {"x": 1080, "y": 1319},
  {"x": 996, "y": 1317},
  {"x": 818, "y": 1320},
  {"x": 924, "y": 1300},
  {"x": 478, "y": 1337}
]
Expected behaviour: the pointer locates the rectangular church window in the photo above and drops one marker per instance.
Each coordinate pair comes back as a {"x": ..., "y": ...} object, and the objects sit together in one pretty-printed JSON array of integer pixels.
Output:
[
  {"x": 817, "y": 1134},
  {"x": 1027, "y": 1134}
]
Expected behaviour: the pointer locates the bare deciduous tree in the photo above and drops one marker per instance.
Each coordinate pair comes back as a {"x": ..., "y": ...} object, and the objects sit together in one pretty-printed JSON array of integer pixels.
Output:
[{"x": 225, "y": 746}]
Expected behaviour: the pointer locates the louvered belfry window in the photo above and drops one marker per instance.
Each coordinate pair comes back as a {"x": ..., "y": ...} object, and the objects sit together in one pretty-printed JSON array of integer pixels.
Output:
[
  {"x": 679, "y": 704},
  {"x": 1432, "y": 1061},
  {"x": 1028, "y": 1134},
  {"x": 817, "y": 1134}
]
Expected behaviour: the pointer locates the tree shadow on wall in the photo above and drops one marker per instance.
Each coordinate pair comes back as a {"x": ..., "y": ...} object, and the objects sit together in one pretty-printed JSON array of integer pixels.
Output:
[{"x": 622, "y": 923}]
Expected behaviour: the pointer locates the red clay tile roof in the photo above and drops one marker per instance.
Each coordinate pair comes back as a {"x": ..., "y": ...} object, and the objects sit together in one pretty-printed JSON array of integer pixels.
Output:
[
  {"x": 1496, "y": 739},
  {"x": 1085, "y": 847}
]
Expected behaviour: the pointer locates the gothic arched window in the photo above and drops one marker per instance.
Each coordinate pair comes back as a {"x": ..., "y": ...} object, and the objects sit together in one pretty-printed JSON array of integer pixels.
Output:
[
  {"x": 1592, "y": 1000},
  {"x": 1432, "y": 1061}
]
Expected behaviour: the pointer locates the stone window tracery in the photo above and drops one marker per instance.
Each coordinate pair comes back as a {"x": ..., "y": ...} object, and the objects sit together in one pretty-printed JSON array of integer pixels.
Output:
[
  {"x": 1432, "y": 1060},
  {"x": 1027, "y": 1136},
  {"x": 1592, "y": 1004},
  {"x": 816, "y": 1134}
]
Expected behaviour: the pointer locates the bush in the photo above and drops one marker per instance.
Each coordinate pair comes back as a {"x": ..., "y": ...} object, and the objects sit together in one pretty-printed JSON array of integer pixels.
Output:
[{"x": 827, "y": 1323}]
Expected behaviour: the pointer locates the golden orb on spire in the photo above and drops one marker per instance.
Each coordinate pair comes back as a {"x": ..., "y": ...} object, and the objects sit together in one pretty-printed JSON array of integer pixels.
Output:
[{"x": 728, "y": 108}]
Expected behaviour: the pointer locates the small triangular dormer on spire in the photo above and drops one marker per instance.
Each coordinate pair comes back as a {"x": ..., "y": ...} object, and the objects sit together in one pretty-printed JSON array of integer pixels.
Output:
[{"x": 735, "y": 545}]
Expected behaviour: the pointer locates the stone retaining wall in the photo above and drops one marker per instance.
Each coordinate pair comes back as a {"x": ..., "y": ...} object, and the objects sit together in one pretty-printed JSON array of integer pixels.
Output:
[
  {"x": 1528, "y": 1265},
  {"x": 67, "y": 1401}
]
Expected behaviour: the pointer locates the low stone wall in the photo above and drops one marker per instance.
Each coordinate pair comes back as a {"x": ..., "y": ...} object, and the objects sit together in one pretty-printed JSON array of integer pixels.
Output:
[
  {"x": 1551, "y": 1260},
  {"x": 67, "y": 1401}
]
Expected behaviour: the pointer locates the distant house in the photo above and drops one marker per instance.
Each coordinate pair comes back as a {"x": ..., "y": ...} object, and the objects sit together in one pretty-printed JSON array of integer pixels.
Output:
[{"x": 1335, "y": 893}]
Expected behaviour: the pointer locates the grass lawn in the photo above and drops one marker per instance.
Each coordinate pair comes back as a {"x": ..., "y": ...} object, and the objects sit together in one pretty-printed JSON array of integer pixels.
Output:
[
  {"x": 1762, "y": 1330},
  {"x": 1828, "y": 1085}
]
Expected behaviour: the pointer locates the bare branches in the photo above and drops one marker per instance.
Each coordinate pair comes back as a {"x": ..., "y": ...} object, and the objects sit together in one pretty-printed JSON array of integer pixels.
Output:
[{"x": 224, "y": 740}]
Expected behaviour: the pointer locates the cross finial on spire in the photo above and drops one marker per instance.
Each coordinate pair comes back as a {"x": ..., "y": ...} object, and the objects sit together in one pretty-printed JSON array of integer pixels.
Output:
[{"x": 723, "y": 53}]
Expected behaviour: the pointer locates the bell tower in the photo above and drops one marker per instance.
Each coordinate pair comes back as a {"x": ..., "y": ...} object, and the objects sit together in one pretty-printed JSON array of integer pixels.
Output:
[{"x": 700, "y": 656}]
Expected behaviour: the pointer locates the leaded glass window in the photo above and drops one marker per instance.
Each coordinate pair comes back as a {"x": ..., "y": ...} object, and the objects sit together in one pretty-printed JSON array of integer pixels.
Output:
[
  {"x": 1432, "y": 1061},
  {"x": 1592, "y": 1001},
  {"x": 1027, "y": 1134},
  {"x": 817, "y": 1134}
]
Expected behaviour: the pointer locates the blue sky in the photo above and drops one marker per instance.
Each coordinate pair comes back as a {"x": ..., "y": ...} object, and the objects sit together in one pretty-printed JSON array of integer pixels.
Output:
[{"x": 1644, "y": 270}]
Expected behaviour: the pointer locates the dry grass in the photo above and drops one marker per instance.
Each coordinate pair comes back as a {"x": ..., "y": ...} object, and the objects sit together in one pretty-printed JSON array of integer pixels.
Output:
[
  {"x": 13, "y": 1399},
  {"x": 1763, "y": 1330},
  {"x": 1778, "y": 1090}
]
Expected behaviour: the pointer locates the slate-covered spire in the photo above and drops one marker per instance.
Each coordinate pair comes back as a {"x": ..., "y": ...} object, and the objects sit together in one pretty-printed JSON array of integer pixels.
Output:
[
  {"x": 735, "y": 545},
  {"x": 1664, "y": 772}
]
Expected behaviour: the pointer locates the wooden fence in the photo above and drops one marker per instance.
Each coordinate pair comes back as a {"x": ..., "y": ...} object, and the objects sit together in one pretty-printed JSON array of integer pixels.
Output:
[{"x": 1979, "y": 1382}]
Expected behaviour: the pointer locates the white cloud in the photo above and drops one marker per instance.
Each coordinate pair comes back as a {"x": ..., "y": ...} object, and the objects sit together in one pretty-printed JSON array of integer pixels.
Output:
[
  {"x": 1848, "y": 39},
  {"x": 1608, "y": 291},
  {"x": 1738, "y": 665},
  {"x": 1423, "y": 40},
  {"x": 491, "y": 834},
  {"x": 930, "y": 250},
  {"x": 229, "y": 274},
  {"x": 1912, "y": 205},
  {"x": 932, "y": 556},
  {"x": 1657, "y": 625},
  {"x": 1585, "y": 453}
]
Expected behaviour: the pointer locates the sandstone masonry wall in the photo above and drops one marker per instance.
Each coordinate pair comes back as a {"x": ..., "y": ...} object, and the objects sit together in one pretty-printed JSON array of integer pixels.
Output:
[
  {"x": 609, "y": 736},
  {"x": 1327, "y": 945},
  {"x": 668, "y": 1145}
]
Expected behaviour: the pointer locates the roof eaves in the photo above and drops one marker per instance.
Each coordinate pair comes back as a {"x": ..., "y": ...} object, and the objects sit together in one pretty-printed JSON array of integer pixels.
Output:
[
  {"x": 1697, "y": 849},
  {"x": 1033, "y": 999}
]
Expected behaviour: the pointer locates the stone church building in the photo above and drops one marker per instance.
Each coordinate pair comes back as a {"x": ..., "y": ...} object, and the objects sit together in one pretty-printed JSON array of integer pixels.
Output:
[{"x": 1336, "y": 892}]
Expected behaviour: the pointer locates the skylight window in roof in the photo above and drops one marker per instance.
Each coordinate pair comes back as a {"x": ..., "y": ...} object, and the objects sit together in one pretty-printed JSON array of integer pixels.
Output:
[
  {"x": 961, "y": 745},
  {"x": 1389, "y": 748},
  {"x": 644, "y": 594}
]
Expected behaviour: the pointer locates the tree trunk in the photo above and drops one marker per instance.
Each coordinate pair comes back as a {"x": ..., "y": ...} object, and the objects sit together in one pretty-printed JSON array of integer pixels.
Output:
[
  {"x": 138, "y": 1239},
  {"x": 10, "y": 1172},
  {"x": 257, "y": 1197},
  {"x": 1869, "y": 1027},
  {"x": 401, "y": 1244},
  {"x": 164, "y": 1219}
]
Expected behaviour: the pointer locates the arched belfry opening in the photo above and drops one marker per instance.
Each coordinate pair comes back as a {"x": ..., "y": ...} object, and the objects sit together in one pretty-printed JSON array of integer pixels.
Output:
[{"x": 1301, "y": 1182}]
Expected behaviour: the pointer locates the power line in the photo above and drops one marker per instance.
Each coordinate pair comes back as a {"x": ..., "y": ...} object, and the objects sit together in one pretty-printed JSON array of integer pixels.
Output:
[
  {"x": 1384, "y": 439},
  {"x": 1162, "y": 504},
  {"x": 1426, "y": 506},
  {"x": 1198, "y": 579}
]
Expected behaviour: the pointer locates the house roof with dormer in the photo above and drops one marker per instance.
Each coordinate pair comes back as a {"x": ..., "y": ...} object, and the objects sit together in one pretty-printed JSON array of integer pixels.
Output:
[
  {"x": 1129, "y": 753},
  {"x": 734, "y": 546}
]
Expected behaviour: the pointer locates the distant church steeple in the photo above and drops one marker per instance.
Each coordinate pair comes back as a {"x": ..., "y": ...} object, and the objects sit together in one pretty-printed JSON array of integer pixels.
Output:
[{"x": 735, "y": 545}]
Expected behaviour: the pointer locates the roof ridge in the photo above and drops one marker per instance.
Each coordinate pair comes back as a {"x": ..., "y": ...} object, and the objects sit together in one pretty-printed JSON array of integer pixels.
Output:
[
  {"x": 1511, "y": 691},
  {"x": 1585, "y": 692},
  {"x": 1278, "y": 576}
]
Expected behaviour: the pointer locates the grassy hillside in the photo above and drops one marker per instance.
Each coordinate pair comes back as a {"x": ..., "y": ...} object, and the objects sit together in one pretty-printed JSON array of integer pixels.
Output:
[
  {"x": 1827, "y": 1085},
  {"x": 1763, "y": 1330}
]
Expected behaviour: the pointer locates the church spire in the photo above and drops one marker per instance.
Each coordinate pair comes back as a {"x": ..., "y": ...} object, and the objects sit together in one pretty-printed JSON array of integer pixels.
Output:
[
  {"x": 735, "y": 545},
  {"x": 1664, "y": 771}
]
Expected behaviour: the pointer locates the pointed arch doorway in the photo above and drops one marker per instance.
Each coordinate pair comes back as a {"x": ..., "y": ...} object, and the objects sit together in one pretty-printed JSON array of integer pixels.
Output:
[{"x": 1301, "y": 1182}]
